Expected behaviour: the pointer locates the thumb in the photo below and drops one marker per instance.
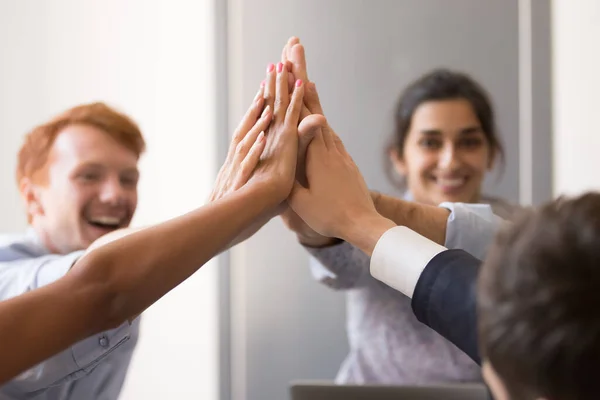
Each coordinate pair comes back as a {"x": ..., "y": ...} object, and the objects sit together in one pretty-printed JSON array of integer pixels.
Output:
[
  {"x": 297, "y": 196},
  {"x": 311, "y": 99},
  {"x": 308, "y": 129}
]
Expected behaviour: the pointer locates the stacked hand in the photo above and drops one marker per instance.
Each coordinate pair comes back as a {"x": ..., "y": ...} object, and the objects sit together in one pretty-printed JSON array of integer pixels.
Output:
[
  {"x": 330, "y": 194},
  {"x": 264, "y": 148},
  {"x": 285, "y": 147},
  {"x": 245, "y": 149}
]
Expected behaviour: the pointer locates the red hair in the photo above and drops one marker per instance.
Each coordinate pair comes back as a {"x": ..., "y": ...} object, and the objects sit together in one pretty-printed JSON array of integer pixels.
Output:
[{"x": 34, "y": 152}]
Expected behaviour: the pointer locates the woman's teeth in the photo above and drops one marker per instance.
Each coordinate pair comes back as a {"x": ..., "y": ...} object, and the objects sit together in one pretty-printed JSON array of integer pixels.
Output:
[{"x": 452, "y": 183}]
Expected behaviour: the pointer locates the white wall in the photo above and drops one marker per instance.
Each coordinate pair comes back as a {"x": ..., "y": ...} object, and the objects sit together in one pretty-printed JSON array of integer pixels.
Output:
[
  {"x": 153, "y": 59},
  {"x": 576, "y": 78}
]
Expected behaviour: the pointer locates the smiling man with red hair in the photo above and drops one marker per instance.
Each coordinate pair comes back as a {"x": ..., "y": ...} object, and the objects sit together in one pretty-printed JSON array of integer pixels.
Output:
[{"x": 77, "y": 175}]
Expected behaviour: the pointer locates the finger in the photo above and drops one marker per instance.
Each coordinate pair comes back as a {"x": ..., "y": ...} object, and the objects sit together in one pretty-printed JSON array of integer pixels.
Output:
[
  {"x": 248, "y": 165},
  {"x": 282, "y": 97},
  {"x": 312, "y": 101},
  {"x": 248, "y": 119},
  {"x": 243, "y": 147},
  {"x": 304, "y": 112},
  {"x": 290, "y": 44},
  {"x": 269, "y": 90},
  {"x": 337, "y": 141},
  {"x": 297, "y": 197},
  {"x": 293, "y": 111},
  {"x": 315, "y": 155},
  {"x": 291, "y": 78},
  {"x": 286, "y": 49},
  {"x": 308, "y": 129},
  {"x": 297, "y": 56},
  {"x": 328, "y": 138},
  {"x": 284, "y": 53}
]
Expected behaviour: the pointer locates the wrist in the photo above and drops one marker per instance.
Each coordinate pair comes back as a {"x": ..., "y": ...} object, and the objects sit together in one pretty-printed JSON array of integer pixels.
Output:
[
  {"x": 265, "y": 194},
  {"x": 375, "y": 197},
  {"x": 365, "y": 231}
]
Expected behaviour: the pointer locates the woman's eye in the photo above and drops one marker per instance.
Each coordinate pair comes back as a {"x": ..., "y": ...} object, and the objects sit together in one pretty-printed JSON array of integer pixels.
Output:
[
  {"x": 471, "y": 143},
  {"x": 430, "y": 143}
]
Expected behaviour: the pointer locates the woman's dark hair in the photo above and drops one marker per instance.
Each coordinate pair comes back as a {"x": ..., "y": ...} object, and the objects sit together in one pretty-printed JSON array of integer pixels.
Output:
[{"x": 443, "y": 84}]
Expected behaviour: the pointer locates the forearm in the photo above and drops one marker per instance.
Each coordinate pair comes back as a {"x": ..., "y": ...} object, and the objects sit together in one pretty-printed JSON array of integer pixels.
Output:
[
  {"x": 39, "y": 324},
  {"x": 365, "y": 231},
  {"x": 428, "y": 221},
  {"x": 143, "y": 266},
  {"x": 258, "y": 223},
  {"x": 445, "y": 299}
]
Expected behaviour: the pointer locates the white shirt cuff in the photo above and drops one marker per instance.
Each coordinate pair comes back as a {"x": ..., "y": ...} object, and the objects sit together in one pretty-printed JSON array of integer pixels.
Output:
[{"x": 400, "y": 256}]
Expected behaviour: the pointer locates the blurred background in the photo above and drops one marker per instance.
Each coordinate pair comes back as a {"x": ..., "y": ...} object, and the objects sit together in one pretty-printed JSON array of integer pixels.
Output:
[{"x": 253, "y": 319}]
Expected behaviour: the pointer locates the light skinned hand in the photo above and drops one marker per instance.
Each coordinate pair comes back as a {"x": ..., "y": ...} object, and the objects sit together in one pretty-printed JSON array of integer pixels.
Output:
[
  {"x": 337, "y": 197},
  {"x": 312, "y": 121},
  {"x": 277, "y": 165},
  {"x": 246, "y": 147}
]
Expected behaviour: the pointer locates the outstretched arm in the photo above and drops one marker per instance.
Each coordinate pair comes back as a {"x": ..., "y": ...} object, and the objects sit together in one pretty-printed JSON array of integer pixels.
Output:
[{"x": 125, "y": 272}]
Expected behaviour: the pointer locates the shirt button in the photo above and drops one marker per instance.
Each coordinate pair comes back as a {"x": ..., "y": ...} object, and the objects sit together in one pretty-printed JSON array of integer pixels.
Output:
[{"x": 103, "y": 341}]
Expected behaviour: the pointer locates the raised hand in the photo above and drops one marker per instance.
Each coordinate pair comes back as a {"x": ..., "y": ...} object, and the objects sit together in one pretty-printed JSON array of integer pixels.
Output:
[
  {"x": 245, "y": 150},
  {"x": 311, "y": 121},
  {"x": 277, "y": 166},
  {"x": 294, "y": 57},
  {"x": 337, "y": 202}
]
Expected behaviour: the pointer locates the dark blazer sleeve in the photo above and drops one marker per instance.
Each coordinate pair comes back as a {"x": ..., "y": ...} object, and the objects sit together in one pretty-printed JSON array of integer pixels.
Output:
[{"x": 445, "y": 299}]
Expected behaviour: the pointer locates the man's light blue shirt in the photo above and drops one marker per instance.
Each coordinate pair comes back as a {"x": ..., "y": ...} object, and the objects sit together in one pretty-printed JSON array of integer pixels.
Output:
[{"x": 94, "y": 368}]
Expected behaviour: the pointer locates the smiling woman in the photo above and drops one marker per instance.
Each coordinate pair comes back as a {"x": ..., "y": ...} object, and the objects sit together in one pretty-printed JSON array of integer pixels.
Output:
[
  {"x": 444, "y": 144},
  {"x": 446, "y": 138}
]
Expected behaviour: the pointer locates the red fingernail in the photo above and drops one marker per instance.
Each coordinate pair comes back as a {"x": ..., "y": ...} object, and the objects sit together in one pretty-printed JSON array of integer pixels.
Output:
[
  {"x": 270, "y": 67},
  {"x": 279, "y": 68},
  {"x": 299, "y": 83},
  {"x": 263, "y": 83}
]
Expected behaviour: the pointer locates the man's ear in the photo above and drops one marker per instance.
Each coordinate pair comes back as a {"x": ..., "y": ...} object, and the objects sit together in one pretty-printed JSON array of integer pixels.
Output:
[{"x": 32, "y": 197}]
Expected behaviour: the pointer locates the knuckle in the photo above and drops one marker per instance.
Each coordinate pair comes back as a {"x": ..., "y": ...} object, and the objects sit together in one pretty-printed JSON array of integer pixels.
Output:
[
  {"x": 269, "y": 98},
  {"x": 244, "y": 166},
  {"x": 242, "y": 147},
  {"x": 278, "y": 103},
  {"x": 263, "y": 123},
  {"x": 237, "y": 136}
]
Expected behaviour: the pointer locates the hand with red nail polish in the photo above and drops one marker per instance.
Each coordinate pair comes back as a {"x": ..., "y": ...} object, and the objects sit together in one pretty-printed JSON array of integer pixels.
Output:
[
  {"x": 275, "y": 173},
  {"x": 279, "y": 159},
  {"x": 312, "y": 122}
]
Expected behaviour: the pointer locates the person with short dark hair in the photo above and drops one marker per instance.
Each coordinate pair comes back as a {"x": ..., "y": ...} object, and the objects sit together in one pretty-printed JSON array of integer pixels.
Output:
[{"x": 539, "y": 327}]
